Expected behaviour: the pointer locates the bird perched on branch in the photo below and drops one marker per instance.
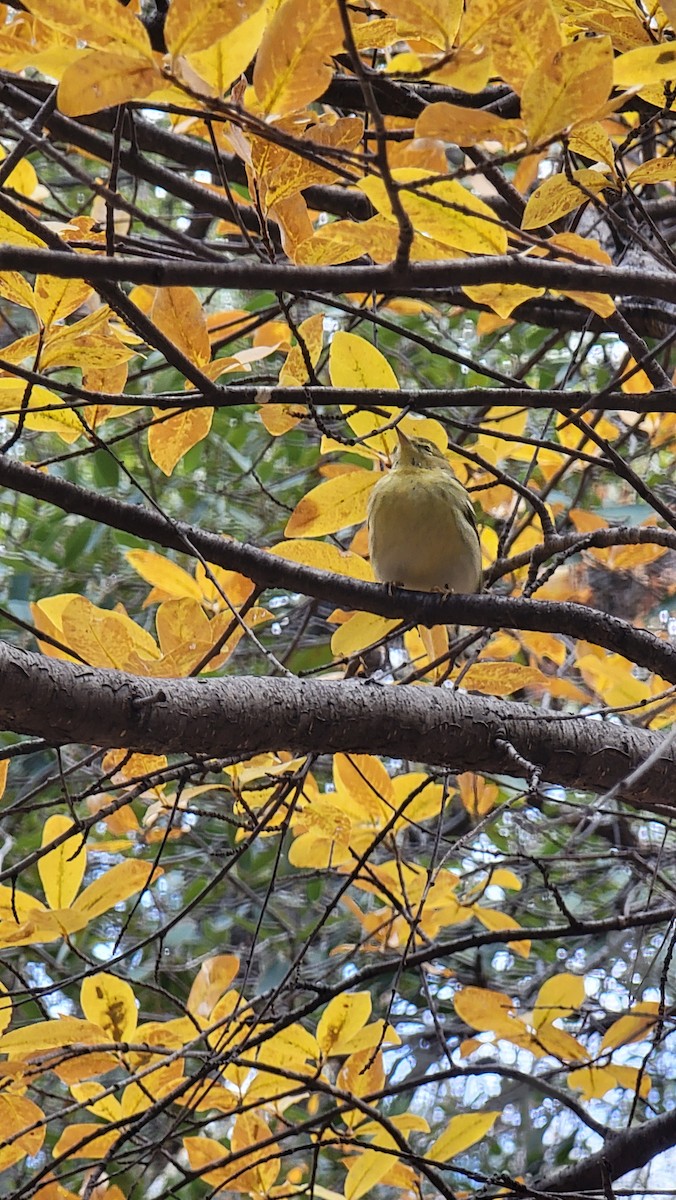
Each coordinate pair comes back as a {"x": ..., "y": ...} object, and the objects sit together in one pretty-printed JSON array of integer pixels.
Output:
[{"x": 422, "y": 531}]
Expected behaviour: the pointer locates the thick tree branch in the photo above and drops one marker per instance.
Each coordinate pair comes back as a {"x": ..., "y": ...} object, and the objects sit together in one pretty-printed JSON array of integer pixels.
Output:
[
  {"x": 270, "y": 570},
  {"x": 67, "y": 702},
  {"x": 623, "y": 1152},
  {"x": 414, "y": 279}
]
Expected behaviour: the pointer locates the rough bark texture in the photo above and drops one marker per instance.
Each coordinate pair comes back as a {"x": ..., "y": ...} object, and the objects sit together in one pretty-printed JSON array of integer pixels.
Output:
[{"x": 66, "y": 702}]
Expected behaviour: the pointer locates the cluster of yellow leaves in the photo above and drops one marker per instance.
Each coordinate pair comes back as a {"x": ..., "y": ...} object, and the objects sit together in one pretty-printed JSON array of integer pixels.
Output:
[
  {"x": 186, "y": 635},
  {"x": 148, "y": 1062},
  {"x": 24, "y": 920},
  {"x": 593, "y": 1074}
]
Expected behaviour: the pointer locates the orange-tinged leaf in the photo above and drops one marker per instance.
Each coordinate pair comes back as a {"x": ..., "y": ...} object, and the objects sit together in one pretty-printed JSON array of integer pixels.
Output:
[
  {"x": 595, "y": 1082},
  {"x": 560, "y": 1044},
  {"x": 97, "y": 1142},
  {"x": 486, "y": 1010},
  {"x": 444, "y": 210},
  {"x": 468, "y": 126},
  {"x": 291, "y": 65},
  {"x": 110, "y": 1003},
  {"x": 4, "y": 769},
  {"x": 342, "y": 1019},
  {"x": 572, "y": 86},
  {"x": 633, "y": 1027},
  {"x": 645, "y": 65},
  {"x": 478, "y": 795},
  {"x": 460, "y": 1133},
  {"x": 558, "y": 997},
  {"x": 332, "y": 505},
  {"x": 23, "y": 1126},
  {"x": 62, "y": 869},
  {"x": 178, "y": 313},
  {"x": 169, "y": 440},
  {"x": 103, "y": 78},
  {"x": 212, "y": 980},
  {"x": 495, "y": 920},
  {"x": 356, "y": 363},
  {"x": 362, "y": 1074},
  {"x": 121, "y": 881}
]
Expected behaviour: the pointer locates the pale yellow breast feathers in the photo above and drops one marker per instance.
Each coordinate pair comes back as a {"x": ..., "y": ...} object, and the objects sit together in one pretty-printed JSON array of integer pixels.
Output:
[{"x": 422, "y": 532}]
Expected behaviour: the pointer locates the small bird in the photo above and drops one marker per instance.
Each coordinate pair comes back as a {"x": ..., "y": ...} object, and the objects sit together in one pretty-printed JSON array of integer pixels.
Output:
[{"x": 422, "y": 530}]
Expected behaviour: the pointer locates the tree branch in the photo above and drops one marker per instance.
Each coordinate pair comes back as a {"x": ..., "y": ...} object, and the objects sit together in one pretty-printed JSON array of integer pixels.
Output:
[
  {"x": 622, "y": 1152},
  {"x": 66, "y": 702}
]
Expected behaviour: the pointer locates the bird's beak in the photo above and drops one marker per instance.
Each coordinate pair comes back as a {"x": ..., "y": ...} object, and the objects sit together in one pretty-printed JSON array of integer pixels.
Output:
[{"x": 405, "y": 448}]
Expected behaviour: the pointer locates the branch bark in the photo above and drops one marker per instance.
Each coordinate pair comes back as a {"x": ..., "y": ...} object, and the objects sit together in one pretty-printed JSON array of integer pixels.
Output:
[
  {"x": 65, "y": 702},
  {"x": 622, "y": 1152}
]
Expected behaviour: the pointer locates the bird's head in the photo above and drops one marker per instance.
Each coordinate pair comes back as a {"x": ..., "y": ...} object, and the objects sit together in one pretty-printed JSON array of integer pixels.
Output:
[{"x": 419, "y": 452}]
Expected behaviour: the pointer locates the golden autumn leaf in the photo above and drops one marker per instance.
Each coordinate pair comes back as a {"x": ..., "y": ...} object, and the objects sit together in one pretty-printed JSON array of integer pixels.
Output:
[
  {"x": 23, "y": 1126},
  {"x": 103, "y": 78},
  {"x": 632, "y": 1027},
  {"x": 178, "y": 312},
  {"x": 110, "y": 1003},
  {"x": 115, "y": 885},
  {"x": 573, "y": 85},
  {"x": 520, "y": 35},
  {"x": 332, "y": 505},
  {"x": 172, "y": 436},
  {"x": 559, "y": 195},
  {"x": 62, "y": 869},
  {"x": 558, "y": 997},
  {"x": 645, "y": 65},
  {"x": 501, "y": 678},
  {"x": 461, "y": 1132},
  {"x": 444, "y": 210},
  {"x": 291, "y": 65}
]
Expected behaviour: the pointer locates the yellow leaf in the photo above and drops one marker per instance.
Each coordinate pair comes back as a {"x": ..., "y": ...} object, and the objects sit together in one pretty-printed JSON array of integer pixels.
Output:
[
  {"x": 443, "y": 210},
  {"x": 98, "y": 22},
  {"x": 50, "y": 1035},
  {"x": 62, "y": 869},
  {"x": 17, "y": 290},
  {"x": 110, "y": 1003},
  {"x": 572, "y": 86},
  {"x": 291, "y": 65},
  {"x": 478, "y": 795},
  {"x": 103, "y": 78},
  {"x": 365, "y": 1172},
  {"x": 503, "y": 298},
  {"x": 169, "y": 440},
  {"x": 58, "y": 298},
  {"x": 495, "y": 920},
  {"x": 97, "y": 1145},
  {"x": 460, "y": 1133},
  {"x": 332, "y": 505},
  {"x": 633, "y": 1027},
  {"x": 294, "y": 373},
  {"x": 487, "y": 1011},
  {"x": 23, "y": 1127},
  {"x": 189, "y": 28},
  {"x": 468, "y": 126},
  {"x": 436, "y": 21},
  {"x": 595, "y": 1082},
  {"x": 14, "y": 234},
  {"x": 520, "y": 34},
  {"x": 500, "y": 679},
  {"x": 163, "y": 574},
  {"x": 342, "y": 1019},
  {"x": 558, "y": 997},
  {"x": 645, "y": 65},
  {"x": 558, "y": 195},
  {"x": 324, "y": 557},
  {"x": 356, "y": 363},
  {"x": 592, "y": 140},
  {"x": 102, "y": 637},
  {"x": 178, "y": 313},
  {"x": 114, "y": 886},
  {"x": 358, "y": 632},
  {"x": 560, "y": 1044},
  {"x": 59, "y": 419},
  {"x": 4, "y": 768}
]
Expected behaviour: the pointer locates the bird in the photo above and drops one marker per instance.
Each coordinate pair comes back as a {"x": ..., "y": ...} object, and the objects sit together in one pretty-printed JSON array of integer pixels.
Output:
[{"x": 421, "y": 526}]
